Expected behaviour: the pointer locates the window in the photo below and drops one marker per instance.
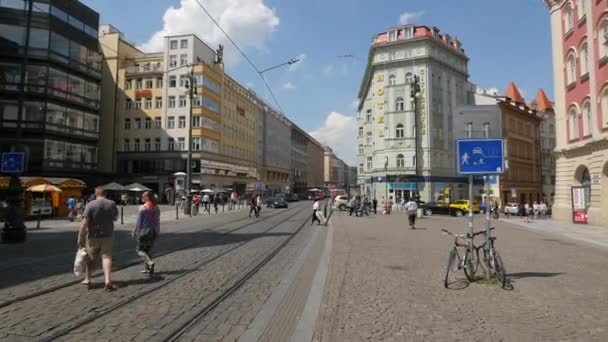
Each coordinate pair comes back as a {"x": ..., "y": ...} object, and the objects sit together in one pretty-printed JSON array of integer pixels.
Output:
[
  {"x": 138, "y": 104},
  {"x": 172, "y": 81},
  {"x": 605, "y": 107},
  {"x": 573, "y": 118},
  {"x": 469, "y": 130},
  {"x": 148, "y": 103},
  {"x": 368, "y": 115},
  {"x": 171, "y": 145},
  {"x": 128, "y": 104},
  {"x": 568, "y": 19},
  {"x": 14, "y": 4},
  {"x": 137, "y": 123},
  {"x": 127, "y": 123},
  {"x": 159, "y": 82},
  {"x": 409, "y": 78},
  {"x": 368, "y": 138},
  {"x": 158, "y": 102},
  {"x": 408, "y": 32},
  {"x": 171, "y": 122},
  {"x": 210, "y": 104},
  {"x": 183, "y": 44},
  {"x": 181, "y": 122},
  {"x": 360, "y": 168},
  {"x": 171, "y": 101},
  {"x": 136, "y": 145},
  {"x": 399, "y": 106},
  {"x": 369, "y": 163},
  {"x": 392, "y": 36},
  {"x": 571, "y": 71},
  {"x": 400, "y": 161},
  {"x": 581, "y": 8},
  {"x": 182, "y": 101},
  {"x": 360, "y": 149},
  {"x": 196, "y": 121},
  {"x": 196, "y": 143},
  {"x": 361, "y": 131},
  {"x": 183, "y": 60},
  {"x": 157, "y": 144},
  {"x": 126, "y": 145},
  {"x": 603, "y": 37},
  {"x": 147, "y": 145},
  {"x": 392, "y": 80},
  {"x": 183, "y": 80},
  {"x": 173, "y": 61},
  {"x": 584, "y": 59},
  {"x": 148, "y": 123},
  {"x": 173, "y": 45},
  {"x": 400, "y": 131},
  {"x": 414, "y": 160},
  {"x": 181, "y": 144},
  {"x": 587, "y": 119},
  {"x": 149, "y": 84},
  {"x": 157, "y": 123},
  {"x": 138, "y": 83}
]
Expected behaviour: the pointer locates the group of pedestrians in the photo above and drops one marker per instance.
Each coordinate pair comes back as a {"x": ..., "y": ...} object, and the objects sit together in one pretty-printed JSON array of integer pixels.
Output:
[
  {"x": 96, "y": 232},
  {"x": 535, "y": 210},
  {"x": 209, "y": 200},
  {"x": 75, "y": 208}
]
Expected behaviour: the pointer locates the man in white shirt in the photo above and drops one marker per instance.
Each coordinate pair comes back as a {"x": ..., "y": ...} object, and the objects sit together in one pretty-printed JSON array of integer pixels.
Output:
[
  {"x": 315, "y": 210},
  {"x": 412, "y": 210}
]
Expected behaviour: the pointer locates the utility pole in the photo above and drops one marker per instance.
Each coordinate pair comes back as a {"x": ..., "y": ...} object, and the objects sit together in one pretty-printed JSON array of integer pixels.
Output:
[
  {"x": 414, "y": 96},
  {"x": 191, "y": 92}
]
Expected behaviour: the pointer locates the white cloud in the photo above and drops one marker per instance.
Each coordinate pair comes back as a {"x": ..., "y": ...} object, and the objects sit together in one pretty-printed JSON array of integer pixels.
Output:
[
  {"x": 289, "y": 85},
  {"x": 299, "y": 64},
  {"x": 339, "y": 132},
  {"x": 407, "y": 17},
  {"x": 328, "y": 69},
  {"x": 354, "y": 104},
  {"x": 249, "y": 22}
]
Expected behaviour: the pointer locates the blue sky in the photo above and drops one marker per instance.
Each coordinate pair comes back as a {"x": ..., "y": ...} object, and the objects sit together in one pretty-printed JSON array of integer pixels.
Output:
[{"x": 505, "y": 40}]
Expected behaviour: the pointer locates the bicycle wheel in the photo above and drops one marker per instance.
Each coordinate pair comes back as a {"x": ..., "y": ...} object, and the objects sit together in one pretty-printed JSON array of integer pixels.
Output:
[
  {"x": 451, "y": 267},
  {"x": 499, "y": 270},
  {"x": 471, "y": 261}
]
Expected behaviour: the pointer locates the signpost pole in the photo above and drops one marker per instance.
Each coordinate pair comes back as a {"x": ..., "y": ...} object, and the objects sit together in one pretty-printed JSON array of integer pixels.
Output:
[
  {"x": 488, "y": 218},
  {"x": 471, "y": 203}
]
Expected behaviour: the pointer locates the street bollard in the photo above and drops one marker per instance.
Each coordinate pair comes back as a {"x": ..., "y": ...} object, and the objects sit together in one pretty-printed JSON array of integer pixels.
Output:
[
  {"x": 122, "y": 214},
  {"x": 176, "y": 211}
]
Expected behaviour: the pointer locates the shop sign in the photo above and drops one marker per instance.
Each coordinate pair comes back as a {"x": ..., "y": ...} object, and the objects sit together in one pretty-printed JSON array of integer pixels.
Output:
[
  {"x": 580, "y": 204},
  {"x": 209, "y": 167},
  {"x": 143, "y": 93},
  {"x": 580, "y": 216},
  {"x": 422, "y": 102}
]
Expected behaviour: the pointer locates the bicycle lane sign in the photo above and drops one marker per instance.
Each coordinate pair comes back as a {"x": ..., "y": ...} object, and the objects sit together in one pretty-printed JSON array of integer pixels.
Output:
[{"x": 480, "y": 156}]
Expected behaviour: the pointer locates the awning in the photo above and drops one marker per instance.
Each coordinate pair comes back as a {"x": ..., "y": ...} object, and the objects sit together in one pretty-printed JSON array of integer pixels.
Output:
[
  {"x": 113, "y": 187},
  {"x": 136, "y": 187}
]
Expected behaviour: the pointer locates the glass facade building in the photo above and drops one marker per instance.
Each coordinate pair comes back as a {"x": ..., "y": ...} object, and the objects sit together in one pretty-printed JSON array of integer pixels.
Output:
[{"x": 50, "y": 81}]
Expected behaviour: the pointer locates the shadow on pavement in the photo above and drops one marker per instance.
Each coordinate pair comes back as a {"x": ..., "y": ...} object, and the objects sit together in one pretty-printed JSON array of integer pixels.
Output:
[
  {"x": 460, "y": 284},
  {"x": 51, "y": 253},
  {"x": 522, "y": 275}
]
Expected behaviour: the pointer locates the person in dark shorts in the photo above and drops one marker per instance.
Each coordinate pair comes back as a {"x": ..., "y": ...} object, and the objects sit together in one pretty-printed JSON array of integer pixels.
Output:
[
  {"x": 412, "y": 210},
  {"x": 147, "y": 230}
]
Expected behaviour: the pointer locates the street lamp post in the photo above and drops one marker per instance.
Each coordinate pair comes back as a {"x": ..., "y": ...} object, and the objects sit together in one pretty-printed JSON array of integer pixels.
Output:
[
  {"x": 414, "y": 96},
  {"x": 386, "y": 184},
  {"x": 289, "y": 62},
  {"x": 191, "y": 86}
]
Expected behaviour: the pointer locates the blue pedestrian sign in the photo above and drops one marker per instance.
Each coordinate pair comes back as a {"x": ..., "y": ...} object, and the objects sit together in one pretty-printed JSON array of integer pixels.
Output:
[
  {"x": 12, "y": 162},
  {"x": 480, "y": 156}
]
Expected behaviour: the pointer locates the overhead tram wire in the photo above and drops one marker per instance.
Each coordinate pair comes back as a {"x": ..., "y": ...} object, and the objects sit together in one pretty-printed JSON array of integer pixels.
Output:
[{"x": 257, "y": 70}]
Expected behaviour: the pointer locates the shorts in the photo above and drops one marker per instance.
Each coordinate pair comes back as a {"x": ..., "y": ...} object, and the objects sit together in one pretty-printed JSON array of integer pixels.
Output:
[{"x": 97, "y": 246}]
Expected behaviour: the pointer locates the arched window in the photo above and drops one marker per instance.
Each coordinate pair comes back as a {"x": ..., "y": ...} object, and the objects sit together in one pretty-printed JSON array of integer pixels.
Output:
[
  {"x": 571, "y": 71},
  {"x": 605, "y": 108},
  {"x": 399, "y": 132},
  {"x": 603, "y": 37},
  {"x": 587, "y": 119},
  {"x": 400, "y": 161},
  {"x": 568, "y": 19},
  {"x": 581, "y": 8},
  {"x": 573, "y": 119},
  {"x": 409, "y": 78},
  {"x": 392, "y": 80},
  {"x": 399, "y": 107},
  {"x": 584, "y": 58},
  {"x": 360, "y": 131}
]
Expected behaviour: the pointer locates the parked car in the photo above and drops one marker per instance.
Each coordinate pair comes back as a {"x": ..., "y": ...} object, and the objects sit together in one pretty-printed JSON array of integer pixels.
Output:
[
  {"x": 292, "y": 197},
  {"x": 435, "y": 208},
  {"x": 276, "y": 202},
  {"x": 461, "y": 207},
  {"x": 511, "y": 209},
  {"x": 341, "y": 202}
]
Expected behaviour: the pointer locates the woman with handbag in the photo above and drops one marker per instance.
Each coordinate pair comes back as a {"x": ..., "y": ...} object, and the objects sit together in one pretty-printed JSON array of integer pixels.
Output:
[{"x": 147, "y": 229}]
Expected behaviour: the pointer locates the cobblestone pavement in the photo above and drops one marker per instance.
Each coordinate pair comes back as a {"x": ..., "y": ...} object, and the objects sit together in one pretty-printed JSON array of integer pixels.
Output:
[
  {"x": 45, "y": 259},
  {"x": 385, "y": 284},
  {"x": 147, "y": 309}
]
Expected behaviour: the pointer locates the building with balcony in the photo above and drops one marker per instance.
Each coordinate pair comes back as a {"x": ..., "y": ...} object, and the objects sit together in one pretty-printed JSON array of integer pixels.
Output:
[
  {"x": 405, "y": 136},
  {"x": 579, "y": 31},
  {"x": 50, "y": 79}
]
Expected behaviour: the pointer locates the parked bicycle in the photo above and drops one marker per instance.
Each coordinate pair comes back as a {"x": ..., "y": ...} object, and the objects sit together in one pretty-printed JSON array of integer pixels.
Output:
[{"x": 490, "y": 261}]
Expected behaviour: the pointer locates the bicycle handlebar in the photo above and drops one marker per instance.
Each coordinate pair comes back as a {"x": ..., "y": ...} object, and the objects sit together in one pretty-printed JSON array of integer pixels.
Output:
[{"x": 467, "y": 235}]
